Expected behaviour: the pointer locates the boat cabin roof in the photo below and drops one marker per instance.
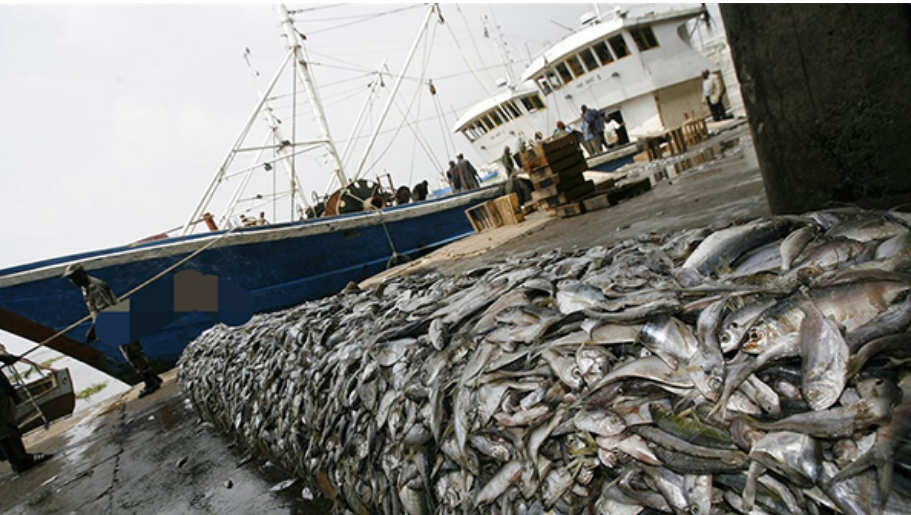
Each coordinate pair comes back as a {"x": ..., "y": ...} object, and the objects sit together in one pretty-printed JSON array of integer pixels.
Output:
[
  {"x": 482, "y": 107},
  {"x": 600, "y": 30}
]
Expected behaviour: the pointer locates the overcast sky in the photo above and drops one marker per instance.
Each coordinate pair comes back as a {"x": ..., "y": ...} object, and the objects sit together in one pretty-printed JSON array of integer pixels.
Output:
[{"x": 114, "y": 117}]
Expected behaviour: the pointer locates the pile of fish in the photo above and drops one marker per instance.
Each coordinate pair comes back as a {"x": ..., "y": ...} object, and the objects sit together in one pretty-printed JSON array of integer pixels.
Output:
[{"x": 761, "y": 367}]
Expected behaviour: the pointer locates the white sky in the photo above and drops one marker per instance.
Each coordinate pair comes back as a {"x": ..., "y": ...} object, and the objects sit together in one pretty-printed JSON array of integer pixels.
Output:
[{"x": 114, "y": 118}]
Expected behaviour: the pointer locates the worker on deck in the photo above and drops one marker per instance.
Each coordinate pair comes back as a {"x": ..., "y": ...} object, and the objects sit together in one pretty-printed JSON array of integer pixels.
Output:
[
  {"x": 419, "y": 192},
  {"x": 469, "y": 175},
  {"x": 98, "y": 296},
  {"x": 11, "y": 446}
]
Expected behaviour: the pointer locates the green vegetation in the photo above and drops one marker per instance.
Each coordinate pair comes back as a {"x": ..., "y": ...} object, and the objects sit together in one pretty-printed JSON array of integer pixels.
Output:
[
  {"x": 91, "y": 390},
  {"x": 48, "y": 362}
]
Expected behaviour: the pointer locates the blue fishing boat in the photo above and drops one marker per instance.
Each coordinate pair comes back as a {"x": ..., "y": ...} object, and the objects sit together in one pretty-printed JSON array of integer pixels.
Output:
[{"x": 279, "y": 264}]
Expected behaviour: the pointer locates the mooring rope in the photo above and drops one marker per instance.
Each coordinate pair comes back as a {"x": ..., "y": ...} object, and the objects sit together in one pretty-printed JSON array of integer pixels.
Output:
[{"x": 134, "y": 290}]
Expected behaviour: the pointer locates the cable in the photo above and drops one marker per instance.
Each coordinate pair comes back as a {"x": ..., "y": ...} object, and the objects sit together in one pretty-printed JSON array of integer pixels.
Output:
[{"x": 367, "y": 18}]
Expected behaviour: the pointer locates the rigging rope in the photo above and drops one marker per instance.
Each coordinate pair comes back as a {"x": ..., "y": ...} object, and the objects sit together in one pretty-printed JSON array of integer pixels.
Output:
[{"x": 367, "y": 17}]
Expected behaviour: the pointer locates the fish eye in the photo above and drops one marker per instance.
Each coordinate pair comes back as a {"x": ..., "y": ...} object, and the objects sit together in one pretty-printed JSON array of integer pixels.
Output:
[
  {"x": 725, "y": 337},
  {"x": 715, "y": 382},
  {"x": 755, "y": 335}
]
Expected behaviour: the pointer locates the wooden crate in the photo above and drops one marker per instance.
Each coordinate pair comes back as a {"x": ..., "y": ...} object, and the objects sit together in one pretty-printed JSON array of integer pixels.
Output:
[
  {"x": 484, "y": 216},
  {"x": 599, "y": 201},
  {"x": 571, "y": 209},
  {"x": 576, "y": 193},
  {"x": 562, "y": 185},
  {"x": 545, "y": 172},
  {"x": 509, "y": 210}
]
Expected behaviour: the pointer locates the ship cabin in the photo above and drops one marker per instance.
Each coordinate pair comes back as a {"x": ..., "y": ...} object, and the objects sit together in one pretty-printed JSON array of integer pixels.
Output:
[
  {"x": 638, "y": 67},
  {"x": 498, "y": 121}
]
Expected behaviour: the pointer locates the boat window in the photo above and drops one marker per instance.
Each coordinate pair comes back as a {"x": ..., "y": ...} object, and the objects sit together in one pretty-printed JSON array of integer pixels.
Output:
[
  {"x": 468, "y": 134},
  {"x": 603, "y": 53},
  {"x": 496, "y": 118},
  {"x": 480, "y": 127},
  {"x": 575, "y": 65},
  {"x": 554, "y": 81},
  {"x": 644, "y": 37},
  {"x": 489, "y": 124},
  {"x": 544, "y": 85},
  {"x": 619, "y": 46},
  {"x": 588, "y": 57},
  {"x": 513, "y": 110},
  {"x": 564, "y": 73},
  {"x": 532, "y": 103}
]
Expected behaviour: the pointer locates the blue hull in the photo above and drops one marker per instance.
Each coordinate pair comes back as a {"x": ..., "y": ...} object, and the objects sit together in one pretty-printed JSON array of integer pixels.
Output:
[{"x": 279, "y": 265}]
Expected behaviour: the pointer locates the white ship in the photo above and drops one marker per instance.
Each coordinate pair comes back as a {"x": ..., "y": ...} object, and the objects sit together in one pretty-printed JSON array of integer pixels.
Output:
[{"x": 638, "y": 66}]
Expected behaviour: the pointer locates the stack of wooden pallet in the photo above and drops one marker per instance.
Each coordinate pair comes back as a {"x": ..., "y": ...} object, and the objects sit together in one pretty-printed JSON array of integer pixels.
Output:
[{"x": 555, "y": 169}]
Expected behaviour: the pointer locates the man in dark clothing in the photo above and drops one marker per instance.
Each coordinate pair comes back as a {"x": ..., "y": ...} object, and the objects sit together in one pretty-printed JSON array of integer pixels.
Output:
[
  {"x": 470, "y": 178},
  {"x": 594, "y": 120},
  {"x": 11, "y": 446},
  {"x": 98, "y": 296},
  {"x": 419, "y": 192},
  {"x": 452, "y": 175}
]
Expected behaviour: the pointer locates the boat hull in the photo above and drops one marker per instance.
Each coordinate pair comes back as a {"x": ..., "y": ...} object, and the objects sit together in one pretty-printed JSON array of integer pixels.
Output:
[{"x": 279, "y": 265}]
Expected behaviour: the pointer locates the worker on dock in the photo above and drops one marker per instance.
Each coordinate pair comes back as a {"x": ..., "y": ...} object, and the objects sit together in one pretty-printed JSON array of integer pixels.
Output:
[
  {"x": 98, "y": 296},
  {"x": 11, "y": 446}
]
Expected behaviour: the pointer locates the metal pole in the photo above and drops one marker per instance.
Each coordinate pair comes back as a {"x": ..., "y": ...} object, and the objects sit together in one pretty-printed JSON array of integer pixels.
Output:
[
  {"x": 303, "y": 71},
  {"x": 395, "y": 90},
  {"x": 210, "y": 191},
  {"x": 360, "y": 117}
]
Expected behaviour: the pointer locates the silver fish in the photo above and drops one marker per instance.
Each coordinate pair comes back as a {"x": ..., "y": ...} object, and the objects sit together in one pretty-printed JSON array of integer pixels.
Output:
[
  {"x": 508, "y": 475},
  {"x": 794, "y": 244},
  {"x": 824, "y": 358}
]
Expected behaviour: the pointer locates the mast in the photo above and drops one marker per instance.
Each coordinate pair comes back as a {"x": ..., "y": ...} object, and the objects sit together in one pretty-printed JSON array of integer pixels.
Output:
[
  {"x": 303, "y": 72},
  {"x": 395, "y": 90}
]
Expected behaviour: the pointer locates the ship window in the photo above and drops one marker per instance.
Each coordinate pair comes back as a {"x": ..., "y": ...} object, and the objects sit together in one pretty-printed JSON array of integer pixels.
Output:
[
  {"x": 619, "y": 46},
  {"x": 575, "y": 65},
  {"x": 489, "y": 124},
  {"x": 532, "y": 103},
  {"x": 512, "y": 109},
  {"x": 468, "y": 134},
  {"x": 554, "y": 80},
  {"x": 564, "y": 73},
  {"x": 588, "y": 57},
  {"x": 644, "y": 38},
  {"x": 496, "y": 118},
  {"x": 480, "y": 127},
  {"x": 544, "y": 85},
  {"x": 603, "y": 53}
]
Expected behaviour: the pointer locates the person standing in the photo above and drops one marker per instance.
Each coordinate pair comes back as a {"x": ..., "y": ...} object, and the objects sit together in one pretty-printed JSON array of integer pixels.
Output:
[
  {"x": 514, "y": 184},
  {"x": 594, "y": 127},
  {"x": 610, "y": 132},
  {"x": 11, "y": 447},
  {"x": 470, "y": 178},
  {"x": 419, "y": 192},
  {"x": 452, "y": 175},
  {"x": 98, "y": 296},
  {"x": 713, "y": 90}
]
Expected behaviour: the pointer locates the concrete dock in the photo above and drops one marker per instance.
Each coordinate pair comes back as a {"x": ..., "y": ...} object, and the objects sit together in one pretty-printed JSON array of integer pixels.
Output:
[{"x": 154, "y": 456}]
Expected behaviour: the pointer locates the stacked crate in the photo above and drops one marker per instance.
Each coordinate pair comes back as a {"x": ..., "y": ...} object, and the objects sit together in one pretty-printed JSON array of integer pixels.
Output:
[{"x": 555, "y": 169}]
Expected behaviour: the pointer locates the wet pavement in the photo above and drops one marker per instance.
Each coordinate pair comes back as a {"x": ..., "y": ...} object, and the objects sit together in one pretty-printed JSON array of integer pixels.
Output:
[
  {"x": 154, "y": 455},
  {"x": 146, "y": 456}
]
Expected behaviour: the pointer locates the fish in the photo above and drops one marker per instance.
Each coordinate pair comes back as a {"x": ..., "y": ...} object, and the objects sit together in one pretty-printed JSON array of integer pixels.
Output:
[
  {"x": 824, "y": 357},
  {"x": 647, "y": 386}
]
